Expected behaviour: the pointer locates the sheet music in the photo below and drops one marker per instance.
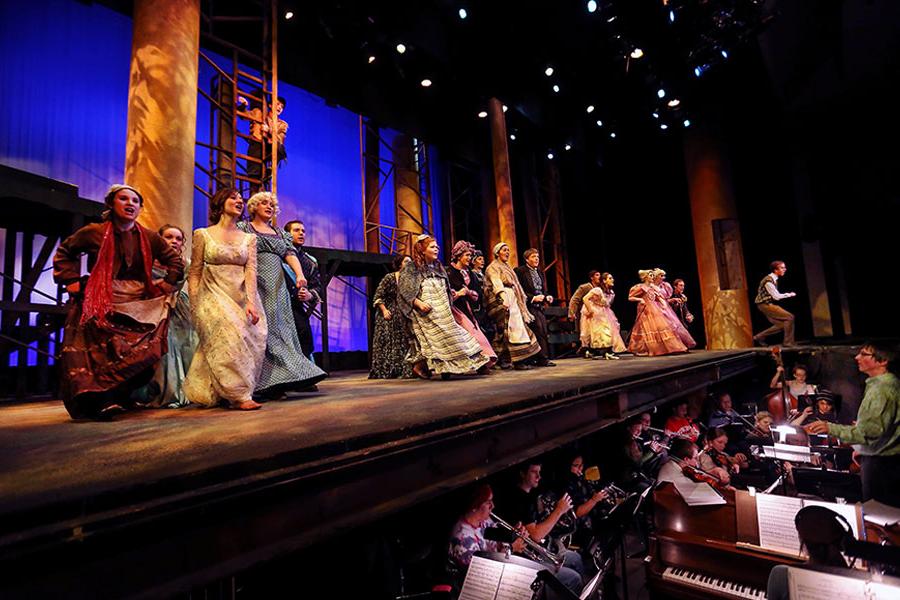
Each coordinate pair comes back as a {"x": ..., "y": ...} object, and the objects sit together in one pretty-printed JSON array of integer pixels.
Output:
[
  {"x": 775, "y": 515},
  {"x": 515, "y": 584},
  {"x": 482, "y": 579},
  {"x": 881, "y": 591},
  {"x": 848, "y": 511},
  {"x": 813, "y": 585},
  {"x": 698, "y": 493},
  {"x": 880, "y": 514}
]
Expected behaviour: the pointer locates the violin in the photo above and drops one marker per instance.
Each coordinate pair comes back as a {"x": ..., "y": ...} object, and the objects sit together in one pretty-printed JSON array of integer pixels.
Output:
[
  {"x": 699, "y": 475},
  {"x": 781, "y": 402}
]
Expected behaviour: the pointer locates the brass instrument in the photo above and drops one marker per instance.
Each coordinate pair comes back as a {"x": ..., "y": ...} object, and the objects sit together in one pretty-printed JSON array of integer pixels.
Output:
[{"x": 533, "y": 550}]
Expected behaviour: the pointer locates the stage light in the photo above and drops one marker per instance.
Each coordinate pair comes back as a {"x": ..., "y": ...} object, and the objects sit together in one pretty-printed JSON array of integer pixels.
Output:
[
  {"x": 660, "y": 93},
  {"x": 637, "y": 53},
  {"x": 611, "y": 19},
  {"x": 512, "y": 136},
  {"x": 656, "y": 115},
  {"x": 700, "y": 70},
  {"x": 482, "y": 114},
  {"x": 592, "y": 6},
  {"x": 288, "y": 15},
  {"x": 550, "y": 155},
  {"x": 599, "y": 123},
  {"x": 687, "y": 123},
  {"x": 590, "y": 108},
  {"x": 612, "y": 135},
  {"x": 548, "y": 71},
  {"x": 401, "y": 48},
  {"x": 568, "y": 147},
  {"x": 673, "y": 102},
  {"x": 505, "y": 108},
  {"x": 463, "y": 13},
  {"x": 724, "y": 54},
  {"x": 426, "y": 83},
  {"x": 671, "y": 16},
  {"x": 371, "y": 59},
  {"x": 555, "y": 88},
  {"x": 663, "y": 126}
]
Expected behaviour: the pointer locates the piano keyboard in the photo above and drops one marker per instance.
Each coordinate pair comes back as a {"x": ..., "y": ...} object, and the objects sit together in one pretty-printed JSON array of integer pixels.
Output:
[{"x": 705, "y": 582}]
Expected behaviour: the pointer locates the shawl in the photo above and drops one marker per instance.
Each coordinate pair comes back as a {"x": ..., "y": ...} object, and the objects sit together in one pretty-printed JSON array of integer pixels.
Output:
[
  {"x": 410, "y": 282},
  {"x": 509, "y": 279}
]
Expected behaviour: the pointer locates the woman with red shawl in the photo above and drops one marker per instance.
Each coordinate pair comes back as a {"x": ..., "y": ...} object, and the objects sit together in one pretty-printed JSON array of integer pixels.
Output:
[{"x": 115, "y": 332}]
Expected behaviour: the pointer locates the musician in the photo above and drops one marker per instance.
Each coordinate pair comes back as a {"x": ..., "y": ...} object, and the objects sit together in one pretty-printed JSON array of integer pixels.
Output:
[
  {"x": 877, "y": 428},
  {"x": 724, "y": 414},
  {"x": 714, "y": 459},
  {"x": 762, "y": 433},
  {"x": 520, "y": 506},
  {"x": 684, "y": 454},
  {"x": 467, "y": 536},
  {"x": 798, "y": 386},
  {"x": 587, "y": 501},
  {"x": 680, "y": 425},
  {"x": 766, "y": 298}
]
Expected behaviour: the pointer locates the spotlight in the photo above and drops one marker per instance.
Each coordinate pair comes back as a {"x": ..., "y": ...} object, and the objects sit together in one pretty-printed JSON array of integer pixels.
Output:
[
  {"x": 599, "y": 123},
  {"x": 700, "y": 70},
  {"x": 673, "y": 102},
  {"x": 463, "y": 13},
  {"x": 656, "y": 115},
  {"x": 426, "y": 83},
  {"x": 555, "y": 88},
  {"x": 550, "y": 155},
  {"x": 568, "y": 147},
  {"x": 482, "y": 114},
  {"x": 660, "y": 93},
  {"x": 505, "y": 108},
  {"x": 637, "y": 53},
  {"x": 590, "y": 108},
  {"x": 512, "y": 136},
  {"x": 371, "y": 59},
  {"x": 401, "y": 48},
  {"x": 687, "y": 123},
  {"x": 613, "y": 134},
  {"x": 663, "y": 126},
  {"x": 548, "y": 71},
  {"x": 611, "y": 19},
  {"x": 671, "y": 16},
  {"x": 288, "y": 15},
  {"x": 592, "y": 6},
  {"x": 724, "y": 54}
]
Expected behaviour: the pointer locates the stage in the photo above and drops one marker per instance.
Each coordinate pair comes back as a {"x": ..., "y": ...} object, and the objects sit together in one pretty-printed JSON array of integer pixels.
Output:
[{"x": 216, "y": 491}]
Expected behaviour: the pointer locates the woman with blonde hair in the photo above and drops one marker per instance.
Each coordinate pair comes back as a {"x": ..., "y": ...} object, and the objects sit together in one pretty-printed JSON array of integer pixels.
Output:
[
  {"x": 599, "y": 326},
  {"x": 441, "y": 345},
  {"x": 652, "y": 335},
  {"x": 284, "y": 368},
  {"x": 504, "y": 300}
]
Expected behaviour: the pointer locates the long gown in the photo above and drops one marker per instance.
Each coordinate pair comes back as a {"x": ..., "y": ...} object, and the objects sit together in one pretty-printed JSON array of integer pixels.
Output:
[
  {"x": 664, "y": 293},
  {"x": 229, "y": 356},
  {"x": 284, "y": 366},
  {"x": 652, "y": 334},
  {"x": 442, "y": 343},
  {"x": 601, "y": 329},
  {"x": 513, "y": 340},
  {"x": 464, "y": 313},
  {"x": 391, "y": 339}
]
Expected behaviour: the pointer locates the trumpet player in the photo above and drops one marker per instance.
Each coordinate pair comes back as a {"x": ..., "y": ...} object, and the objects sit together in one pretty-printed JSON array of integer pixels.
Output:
[
  {"x": 468, "y": 535},
  {"x": 520, "y": 506}
]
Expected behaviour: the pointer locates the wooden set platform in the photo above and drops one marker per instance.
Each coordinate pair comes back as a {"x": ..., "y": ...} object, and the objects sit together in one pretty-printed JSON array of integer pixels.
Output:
[{"x": 217, "y": 491}]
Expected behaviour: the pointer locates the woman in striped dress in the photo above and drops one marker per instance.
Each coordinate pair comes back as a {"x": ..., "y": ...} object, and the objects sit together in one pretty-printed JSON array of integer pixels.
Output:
[{"x": 441, "y": 345}]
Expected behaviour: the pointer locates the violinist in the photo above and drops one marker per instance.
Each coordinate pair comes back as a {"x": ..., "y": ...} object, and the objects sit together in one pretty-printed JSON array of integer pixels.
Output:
[
  {"x": 798, "y": 386},
  {"x": 679, "y": 425},
  {"x": 714, "y": 459},
  {"x": 683, "y": 468},
  {"x": 724, "y": 413},
  {"x": 762, "y": 431}
]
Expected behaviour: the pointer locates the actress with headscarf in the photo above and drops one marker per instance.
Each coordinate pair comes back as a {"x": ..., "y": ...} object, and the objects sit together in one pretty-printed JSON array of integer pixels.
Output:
[
  {"x": 504, "y": 300},
  {"x": 116, "y": 329},
  {"x": 441, "y": 345},
  {"x": 465, "y": 297}
]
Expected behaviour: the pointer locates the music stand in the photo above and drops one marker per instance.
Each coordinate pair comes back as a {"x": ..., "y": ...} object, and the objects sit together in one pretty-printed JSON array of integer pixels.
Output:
[
  {"x": 616, "y": 522},
  {"x": 828, "y": 484}
]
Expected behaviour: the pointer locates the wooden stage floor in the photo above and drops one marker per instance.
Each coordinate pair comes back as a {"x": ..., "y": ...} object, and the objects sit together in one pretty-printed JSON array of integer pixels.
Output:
[{"x": 58, "y": 476}]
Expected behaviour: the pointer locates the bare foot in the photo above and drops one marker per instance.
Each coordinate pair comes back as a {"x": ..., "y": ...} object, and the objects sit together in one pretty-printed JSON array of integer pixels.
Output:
[{"x": 245, "y": 405}]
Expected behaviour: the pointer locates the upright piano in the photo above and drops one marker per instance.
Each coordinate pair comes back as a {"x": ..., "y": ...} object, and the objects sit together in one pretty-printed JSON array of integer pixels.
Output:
[{"x": 694, "y": 552}]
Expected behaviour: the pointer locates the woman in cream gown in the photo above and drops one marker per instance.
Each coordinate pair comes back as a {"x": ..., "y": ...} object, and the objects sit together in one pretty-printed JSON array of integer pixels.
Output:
[
  {"x": 504, "y": 300},
  {"x": 226, "y": 310}
]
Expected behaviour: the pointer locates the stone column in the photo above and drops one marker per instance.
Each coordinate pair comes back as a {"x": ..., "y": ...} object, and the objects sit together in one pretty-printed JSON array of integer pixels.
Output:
[{"x": 162, "y": 110}]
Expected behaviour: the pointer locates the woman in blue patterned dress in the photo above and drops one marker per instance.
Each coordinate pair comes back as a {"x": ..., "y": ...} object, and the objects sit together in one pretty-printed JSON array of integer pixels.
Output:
[{"x": 285, "y": 368}]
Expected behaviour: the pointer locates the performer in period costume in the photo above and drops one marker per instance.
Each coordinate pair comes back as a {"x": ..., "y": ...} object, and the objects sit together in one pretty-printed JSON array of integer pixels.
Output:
[
  {"x": 477, "y": 285},
  {"x": 504, "y": 300},
  {"x": 664, "y": 293},
  {"x": 652, "y": 334},
  {"x": 442, "y": 346},
  {"x": 285, "y": 366},
  {"x": 464, "y": 297},
  {"x": 599, "y": 326},
  {"x": 767, "y": 297},
  {"x": 391, "y": 340},
  {"x": 166, "y": 389},
  {"x": 577, "y": 298},
  {"x": 304, "y": 302},
  {"x": 534, "y": 284},
  {"x": 116, "y": 329},
  {"x": 227, "y": 312},
  {"x": 678, "y": 301}
]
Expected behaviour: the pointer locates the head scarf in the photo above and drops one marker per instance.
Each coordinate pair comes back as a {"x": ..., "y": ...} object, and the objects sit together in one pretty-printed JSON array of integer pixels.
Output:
[
  {"x": 498, "y": 246},
  {"x": 111, "y": 195},
  {"x": 460, "y": 248}
]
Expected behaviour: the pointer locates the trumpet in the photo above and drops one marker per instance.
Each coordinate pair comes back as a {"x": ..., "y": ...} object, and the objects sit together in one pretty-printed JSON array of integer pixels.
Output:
[{"x": 533, "y": 550}]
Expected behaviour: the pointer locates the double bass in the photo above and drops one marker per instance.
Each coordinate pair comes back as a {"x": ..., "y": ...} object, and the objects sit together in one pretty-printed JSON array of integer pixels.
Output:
[{"x": 780, "y": 403}]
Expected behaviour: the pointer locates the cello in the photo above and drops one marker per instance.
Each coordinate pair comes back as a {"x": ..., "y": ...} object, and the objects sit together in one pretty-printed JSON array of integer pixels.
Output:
[{"x": 781, "y": 402}]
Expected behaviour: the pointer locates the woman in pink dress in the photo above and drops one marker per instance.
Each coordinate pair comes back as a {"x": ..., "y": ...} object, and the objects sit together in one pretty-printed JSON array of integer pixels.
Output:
[
  {"x": 652, "y": 334},
  {"x": 599, "y": 325},
  {"x": 460, "y": 278},
  {"x": 664, "y": 289}
]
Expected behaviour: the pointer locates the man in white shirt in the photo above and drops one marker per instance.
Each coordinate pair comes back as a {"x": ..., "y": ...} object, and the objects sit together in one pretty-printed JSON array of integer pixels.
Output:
[{"x": 766, "y": 298}]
